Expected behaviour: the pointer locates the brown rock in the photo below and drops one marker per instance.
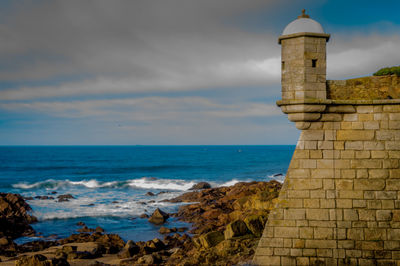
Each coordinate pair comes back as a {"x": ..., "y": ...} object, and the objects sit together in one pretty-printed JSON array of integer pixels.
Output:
[
  {"x": 4, "y": 241},
  {"x": 164, "y": 230},
  {"x": 35, "y": 260},
  {"x": 14, "y": 216},
  {"x": 149, "y": 259},
  {"x": 99, "y": 229},
  {"x": 129, "y": 250},
  {"x": 211, "y": 239},
  {"x": 65, "y": 197},
  {"x": 86, "y": 229},
  {"x": 234, "y": 229},
  {"x": 151, "y": 194},
  {"x": 144, "y": 216},
  {"x": 158, "y": 217},
  {"x": 255, "y": 224}
]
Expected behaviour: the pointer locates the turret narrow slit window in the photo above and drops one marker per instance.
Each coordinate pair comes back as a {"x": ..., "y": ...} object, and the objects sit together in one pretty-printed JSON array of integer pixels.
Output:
[{"x": 314, "y": 62}]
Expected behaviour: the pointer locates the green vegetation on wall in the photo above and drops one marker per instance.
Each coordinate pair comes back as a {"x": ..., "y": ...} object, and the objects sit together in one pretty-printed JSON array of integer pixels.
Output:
[{"x": 388, "y": 71}]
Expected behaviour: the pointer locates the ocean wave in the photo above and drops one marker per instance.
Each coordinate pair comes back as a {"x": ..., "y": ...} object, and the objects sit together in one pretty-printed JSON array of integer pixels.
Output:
[
  {"x": 278, "y": 177},
  {"x": 141, "y": 183}
]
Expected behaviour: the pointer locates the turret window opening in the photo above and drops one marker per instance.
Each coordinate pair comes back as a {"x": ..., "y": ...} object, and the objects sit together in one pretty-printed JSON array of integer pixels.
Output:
[
  {"x": 314, "y": 62},
  {"x": 283, "y": 65}
]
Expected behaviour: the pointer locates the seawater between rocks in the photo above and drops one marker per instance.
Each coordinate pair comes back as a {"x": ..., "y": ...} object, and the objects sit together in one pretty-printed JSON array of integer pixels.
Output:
[{"x": 109, "y": 183}]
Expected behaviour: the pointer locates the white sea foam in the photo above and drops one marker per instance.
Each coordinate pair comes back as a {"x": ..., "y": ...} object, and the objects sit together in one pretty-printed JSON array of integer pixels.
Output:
[
  {"x": 168, "y": 184},
  {"x": 279, "y": 178},
  {"x": 141, "y": 183}
]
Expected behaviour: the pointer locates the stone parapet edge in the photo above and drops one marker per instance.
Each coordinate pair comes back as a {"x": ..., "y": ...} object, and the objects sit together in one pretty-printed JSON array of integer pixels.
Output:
[
  {"x": 308, "y": 34},
  {"x": 337, "y": 102}
]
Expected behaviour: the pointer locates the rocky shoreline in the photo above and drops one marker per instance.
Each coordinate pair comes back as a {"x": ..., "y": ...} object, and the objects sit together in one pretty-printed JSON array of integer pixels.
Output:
[{"x": 227, "y": 224}]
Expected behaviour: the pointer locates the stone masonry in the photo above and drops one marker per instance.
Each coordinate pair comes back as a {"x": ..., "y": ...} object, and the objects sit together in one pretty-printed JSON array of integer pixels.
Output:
[{"x": 340, "y": 202}]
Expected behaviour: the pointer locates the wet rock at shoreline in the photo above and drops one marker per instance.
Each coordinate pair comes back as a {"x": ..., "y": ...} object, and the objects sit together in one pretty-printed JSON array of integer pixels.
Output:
[
  {"x": 85, "y": 229},
  {"x": 129, "y": 250},
  {"x": 65, "y": 197},
  {"x": 158, "y": 217},
  {"x": 151, "y": 194},
  {"x": 14, "y": 216},
  {"x": 227, "y": 223},
  {"x": 44, "y": 198},
  {"x": 144, "y": 216},
  {"x": 200, "y": 185}
]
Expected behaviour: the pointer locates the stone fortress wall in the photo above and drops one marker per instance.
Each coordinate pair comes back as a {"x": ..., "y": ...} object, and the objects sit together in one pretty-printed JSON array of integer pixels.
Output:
[{"x": 340, "y": 202}]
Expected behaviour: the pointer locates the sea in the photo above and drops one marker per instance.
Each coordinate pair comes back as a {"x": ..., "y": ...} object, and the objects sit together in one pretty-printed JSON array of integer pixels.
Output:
[{"x": 110, "y": 183}]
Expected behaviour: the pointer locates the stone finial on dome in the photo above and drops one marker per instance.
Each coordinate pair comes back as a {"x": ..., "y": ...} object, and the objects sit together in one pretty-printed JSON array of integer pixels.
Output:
[{"x": 303, "y": 14}]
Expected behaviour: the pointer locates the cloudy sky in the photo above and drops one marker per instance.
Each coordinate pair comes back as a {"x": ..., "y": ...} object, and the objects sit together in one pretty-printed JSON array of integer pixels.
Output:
[{"x": 76, "y": 72}]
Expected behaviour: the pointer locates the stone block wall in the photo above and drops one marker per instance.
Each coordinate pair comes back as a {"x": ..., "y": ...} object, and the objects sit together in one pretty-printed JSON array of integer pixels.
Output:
[
  {"x": 304, "y": 66},
  {"x": 340, "y": 202},
  {"x": 375, "y": 87}
]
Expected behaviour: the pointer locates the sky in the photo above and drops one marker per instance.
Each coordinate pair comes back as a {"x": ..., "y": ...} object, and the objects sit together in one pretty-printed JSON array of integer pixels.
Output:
[{"x": 169, "y": 72}]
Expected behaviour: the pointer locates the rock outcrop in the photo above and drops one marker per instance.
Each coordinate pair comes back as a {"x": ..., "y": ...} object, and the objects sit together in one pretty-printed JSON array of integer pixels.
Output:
[
  {"x": 158, "y": 217},
  {"x": 201, "y": 185},
  {"x": 14, "y": 216}
]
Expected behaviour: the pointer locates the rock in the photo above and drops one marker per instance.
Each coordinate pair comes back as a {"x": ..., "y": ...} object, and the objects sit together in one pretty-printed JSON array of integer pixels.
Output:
[
  {"x": 149, "y": 259},
  {"x": 201, "y": 185},
  {"x": 85, "y": 229},
  {"x": 44, "y": 198},
  {"x": 98, "y": 263},
  {"x": 65, "y": 197},
  {"x": 144, "y": 216},
  {"x": 69, "y": 249},
  {"x": 54, "y": 192},
  {"x": 164, "y": 230},
  {"x": 14, "y": 216},
  {"x": 99, "y": 229},
  {"x": 182, "y": 229},
  {"x": 255, "y": 224},
  {"x": 158, "y": 217},
  {"x": 35, "y": 260},
  {"x": 4, "y": 241},
  {"x": 59, "y": 262},
  {"x": 150, "y": 194},
  {"x": 129, "y": 250},
  {"x": 234, "y": 229},
  {"x": 154, "y": 246},
  {"x": 211, "y": 239},
  {"x": 28, "y": 198},
  {"x": 80, "y": 224}
]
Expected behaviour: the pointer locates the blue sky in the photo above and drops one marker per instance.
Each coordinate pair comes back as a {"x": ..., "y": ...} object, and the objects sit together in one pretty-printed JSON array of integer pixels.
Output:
[{"x": 170, "y": 72}]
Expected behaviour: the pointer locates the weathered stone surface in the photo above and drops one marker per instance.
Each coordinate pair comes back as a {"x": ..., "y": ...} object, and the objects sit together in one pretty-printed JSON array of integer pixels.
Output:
[
  {"x": 158, "y": 217},
  {"x": 35, "y": 260},
  {"x": 211, "y": 239},
  {"x": 339, "y": 201},
  {"x": 234, "y": 229},
  {"x": 201, "y": 185},
  {"x": 14, "y": 216}
]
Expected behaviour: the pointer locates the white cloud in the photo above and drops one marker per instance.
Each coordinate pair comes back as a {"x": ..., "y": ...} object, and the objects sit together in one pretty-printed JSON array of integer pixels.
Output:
[
  {"x": 147, "y": 109},
  {"x": 361, "y": 55}
]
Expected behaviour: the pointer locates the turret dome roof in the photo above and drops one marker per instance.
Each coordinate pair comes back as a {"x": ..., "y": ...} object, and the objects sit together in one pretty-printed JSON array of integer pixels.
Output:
[{"x": 303, "y": 24}]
